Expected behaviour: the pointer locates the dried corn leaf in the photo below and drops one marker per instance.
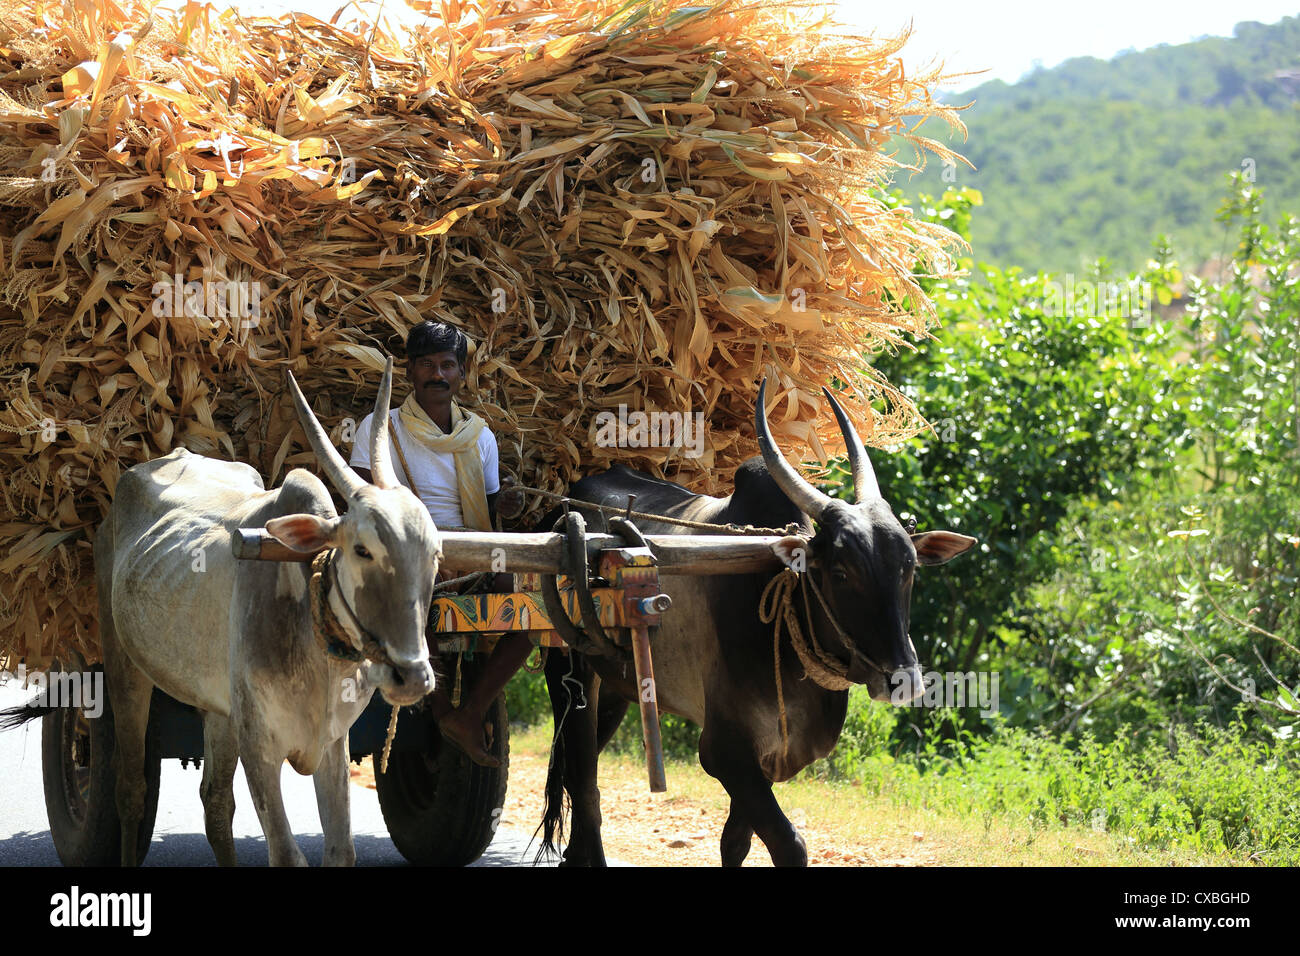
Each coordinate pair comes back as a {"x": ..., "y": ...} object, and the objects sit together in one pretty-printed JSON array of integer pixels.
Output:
[{"x": 621, "y": 203}]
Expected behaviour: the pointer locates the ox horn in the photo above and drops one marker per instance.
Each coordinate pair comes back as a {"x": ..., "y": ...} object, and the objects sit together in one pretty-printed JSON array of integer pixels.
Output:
[
  {"x": 865, "y": 485},
  {"x": 381, "y": 465},
  {"x": 347, "y": 481},
  {"x": 810, "y": 501}
]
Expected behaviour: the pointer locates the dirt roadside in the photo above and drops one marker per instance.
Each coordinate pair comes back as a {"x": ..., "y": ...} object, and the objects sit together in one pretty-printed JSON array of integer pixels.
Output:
[{"x": 682, "y": 827}]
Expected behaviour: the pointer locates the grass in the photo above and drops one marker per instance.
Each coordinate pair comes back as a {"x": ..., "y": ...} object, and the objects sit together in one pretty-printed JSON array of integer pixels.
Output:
[
  {"x": 1206, "y": 797},
  {"x": 883, "y": 824}
]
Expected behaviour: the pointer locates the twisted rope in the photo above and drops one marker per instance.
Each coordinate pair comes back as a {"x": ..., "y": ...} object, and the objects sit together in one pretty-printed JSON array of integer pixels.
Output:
[
  {"x": 335, "y": 640},
  {"x": 776, "y": 605},
  {"x": 330, "y": 633},
  {"x": 453, "y": 584},
  {"x": 791, "y": 529},
  {"x": 388, "y": 741},
  {"x": 826, "y": 670}
]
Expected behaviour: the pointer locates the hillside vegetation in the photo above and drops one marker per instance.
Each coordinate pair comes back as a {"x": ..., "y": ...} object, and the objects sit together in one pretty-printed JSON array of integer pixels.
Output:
[{"x": 1093, "y": 158}]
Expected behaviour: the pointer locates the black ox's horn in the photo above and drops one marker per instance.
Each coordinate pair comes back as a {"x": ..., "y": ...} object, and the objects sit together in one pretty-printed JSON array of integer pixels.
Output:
[
  {"x": 865, "y": 485},
  {"x": 810, "y": 501}
]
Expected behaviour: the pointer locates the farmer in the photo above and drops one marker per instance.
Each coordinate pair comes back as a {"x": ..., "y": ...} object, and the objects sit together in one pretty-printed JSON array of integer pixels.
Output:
[{"x": 451, "y": 455}]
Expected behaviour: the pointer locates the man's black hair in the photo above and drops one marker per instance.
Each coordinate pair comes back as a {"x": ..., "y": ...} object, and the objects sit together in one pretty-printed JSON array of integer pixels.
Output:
[{"x": 430, "y": 338}]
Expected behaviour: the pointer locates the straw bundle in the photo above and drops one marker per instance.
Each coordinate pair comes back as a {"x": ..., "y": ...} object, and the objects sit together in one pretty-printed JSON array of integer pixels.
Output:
[{"x": 621, "y": 204}]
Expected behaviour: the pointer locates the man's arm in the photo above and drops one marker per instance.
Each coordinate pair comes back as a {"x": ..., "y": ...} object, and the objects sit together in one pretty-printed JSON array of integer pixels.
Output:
[{"x": 364, "y": 474}]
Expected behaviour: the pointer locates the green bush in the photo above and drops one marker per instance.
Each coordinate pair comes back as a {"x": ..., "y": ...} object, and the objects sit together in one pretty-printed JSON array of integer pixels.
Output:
[
  {"x": 1205, "y": 789},
  {"x": 527, "y": 702},
  {"x": 1161, "y": 603},
  {"x": 868, "y": 726}
]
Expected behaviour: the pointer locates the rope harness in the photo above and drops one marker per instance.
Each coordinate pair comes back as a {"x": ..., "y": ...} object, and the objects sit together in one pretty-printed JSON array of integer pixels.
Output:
[
  {"x": 791, "y": 529},
  {"x": 334, "y": 638},
  {"x": 776, "y": 606}
]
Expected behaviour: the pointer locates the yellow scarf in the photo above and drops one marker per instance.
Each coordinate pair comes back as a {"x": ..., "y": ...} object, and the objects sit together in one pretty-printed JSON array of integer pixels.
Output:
[{"x": 461, "y": 443}]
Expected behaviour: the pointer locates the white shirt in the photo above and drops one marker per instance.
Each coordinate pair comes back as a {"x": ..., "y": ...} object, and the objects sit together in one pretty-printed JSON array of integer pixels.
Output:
[{"x": 434, "y": 472}]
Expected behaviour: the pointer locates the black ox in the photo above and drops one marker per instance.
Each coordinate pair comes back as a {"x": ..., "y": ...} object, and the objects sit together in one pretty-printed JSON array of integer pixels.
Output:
[{"x": 714, "y": 658}]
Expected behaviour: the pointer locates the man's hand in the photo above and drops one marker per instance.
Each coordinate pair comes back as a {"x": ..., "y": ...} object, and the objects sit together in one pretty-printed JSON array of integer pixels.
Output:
[{"x": 364, "y": 475}]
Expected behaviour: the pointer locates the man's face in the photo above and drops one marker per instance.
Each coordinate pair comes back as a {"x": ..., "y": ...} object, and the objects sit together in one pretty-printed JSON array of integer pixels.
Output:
[{"x": 438, "y": 377}]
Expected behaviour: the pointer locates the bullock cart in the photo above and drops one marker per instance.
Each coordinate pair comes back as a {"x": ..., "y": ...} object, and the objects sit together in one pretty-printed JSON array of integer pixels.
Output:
[{"x": 598, "y": 591}]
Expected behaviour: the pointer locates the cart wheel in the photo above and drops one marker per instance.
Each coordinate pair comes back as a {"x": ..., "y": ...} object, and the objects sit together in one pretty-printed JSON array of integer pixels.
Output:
[
  {"x": 441, "y": 808},
  {"x": 77, "y": 767}
]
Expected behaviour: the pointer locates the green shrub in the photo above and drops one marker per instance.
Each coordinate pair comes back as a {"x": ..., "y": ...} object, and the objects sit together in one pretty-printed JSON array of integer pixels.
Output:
[
  {"x": 1204, "y": 789},
  {"x": 527, "y": 701}
]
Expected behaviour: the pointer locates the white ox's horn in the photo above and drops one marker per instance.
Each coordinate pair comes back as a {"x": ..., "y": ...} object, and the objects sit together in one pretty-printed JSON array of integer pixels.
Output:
[
  {"x": 343, "y": 478},
  {"x": 810, "y": 501},
  {"x": 381, "y": 465},
  {"x": 865, "y": 485}
]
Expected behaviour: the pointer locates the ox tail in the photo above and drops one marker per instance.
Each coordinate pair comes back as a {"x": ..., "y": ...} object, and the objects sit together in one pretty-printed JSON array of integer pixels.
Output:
[
  {"x": 566, "y": 694},
  {"x": 553, "y": 807},
  {"x": 11, "y": 718}
]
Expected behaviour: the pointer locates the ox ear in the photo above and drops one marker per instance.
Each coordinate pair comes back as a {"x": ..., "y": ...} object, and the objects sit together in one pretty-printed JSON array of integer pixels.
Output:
[
  {"x": 938, "y": 547},
  {"x": 793, "y": 551},
  {"x": 303, "y": 532}
]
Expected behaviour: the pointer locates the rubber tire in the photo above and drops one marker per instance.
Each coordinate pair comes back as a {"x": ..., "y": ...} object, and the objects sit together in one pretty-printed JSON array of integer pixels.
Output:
[
  {"x": 441, "y": 808},
  {"x": 93, "y": 838}
]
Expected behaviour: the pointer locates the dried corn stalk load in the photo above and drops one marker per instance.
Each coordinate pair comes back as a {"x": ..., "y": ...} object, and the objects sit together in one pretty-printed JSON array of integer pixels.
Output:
[{"x": 622, "y": 204}]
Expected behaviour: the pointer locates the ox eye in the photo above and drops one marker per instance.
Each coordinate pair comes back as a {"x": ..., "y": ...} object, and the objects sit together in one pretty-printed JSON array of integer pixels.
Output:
[
  {"x": 361, "y": 552},
  {"x": 839, "y": 574}
]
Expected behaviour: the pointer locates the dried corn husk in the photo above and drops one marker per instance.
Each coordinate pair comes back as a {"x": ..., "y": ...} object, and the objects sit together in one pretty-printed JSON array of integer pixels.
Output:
[{"x": 622, "y": 204}]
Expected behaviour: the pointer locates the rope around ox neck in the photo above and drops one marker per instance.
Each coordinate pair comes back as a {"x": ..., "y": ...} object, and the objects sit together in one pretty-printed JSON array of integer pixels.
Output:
[
  {"x": 335, "y": 640},
  {"x": 824, "y": 668},
  {"x": 776, "y": 605}
]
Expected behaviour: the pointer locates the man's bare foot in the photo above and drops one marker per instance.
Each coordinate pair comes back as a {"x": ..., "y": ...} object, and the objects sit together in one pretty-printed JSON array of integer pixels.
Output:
[{"x": 458, "y": 727}]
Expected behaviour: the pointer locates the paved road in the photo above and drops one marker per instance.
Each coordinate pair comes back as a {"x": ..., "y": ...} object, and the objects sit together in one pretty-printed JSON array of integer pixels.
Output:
[{"x": 178, "y": 838}]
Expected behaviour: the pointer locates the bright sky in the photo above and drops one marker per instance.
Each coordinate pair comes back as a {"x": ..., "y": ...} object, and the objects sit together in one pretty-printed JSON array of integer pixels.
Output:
[
  {"x": 1006, "y": 37},
  {"x": 1009, "y": 37}
]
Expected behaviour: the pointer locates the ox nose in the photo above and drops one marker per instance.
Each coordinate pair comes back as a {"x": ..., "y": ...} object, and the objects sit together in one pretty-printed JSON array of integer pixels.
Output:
[{"x": 414, "y": 678}]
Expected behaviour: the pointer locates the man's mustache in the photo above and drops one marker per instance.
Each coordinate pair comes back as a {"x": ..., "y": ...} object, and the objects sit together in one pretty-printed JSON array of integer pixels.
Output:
[{"x": 436, "y": 385}]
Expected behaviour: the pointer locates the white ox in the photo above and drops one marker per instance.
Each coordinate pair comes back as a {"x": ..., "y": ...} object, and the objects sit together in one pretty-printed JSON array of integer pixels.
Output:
[{"x": 234, "y": 638}]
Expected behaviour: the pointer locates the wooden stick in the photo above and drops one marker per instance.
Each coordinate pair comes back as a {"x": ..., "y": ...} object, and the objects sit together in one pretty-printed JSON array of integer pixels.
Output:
[
  {"x": 649, "y": 701},
  {"x": 543, "y": 551}
]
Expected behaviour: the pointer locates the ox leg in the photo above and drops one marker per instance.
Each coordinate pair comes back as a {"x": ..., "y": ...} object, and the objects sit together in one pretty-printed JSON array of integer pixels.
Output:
[
  {"x": 727, "y": 754},
  {"x": 130, "y": 693},
  {"x": 332, "y": 798},
  {"x": 736, "y": 838},
  {"x": 217, "y": 790},
  {"x": 609, "y": 716},
  {"x": 263, "y": 775}
]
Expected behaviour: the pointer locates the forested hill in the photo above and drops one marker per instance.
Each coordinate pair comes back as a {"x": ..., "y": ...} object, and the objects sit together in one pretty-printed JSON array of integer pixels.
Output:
[{"x": 1095, "y": 158}]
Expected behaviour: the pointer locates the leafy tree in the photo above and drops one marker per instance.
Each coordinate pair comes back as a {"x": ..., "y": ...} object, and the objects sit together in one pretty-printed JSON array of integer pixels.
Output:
[
  {"x": 1206, "y": 627},
  {"x": 1039, "y": 392}
]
